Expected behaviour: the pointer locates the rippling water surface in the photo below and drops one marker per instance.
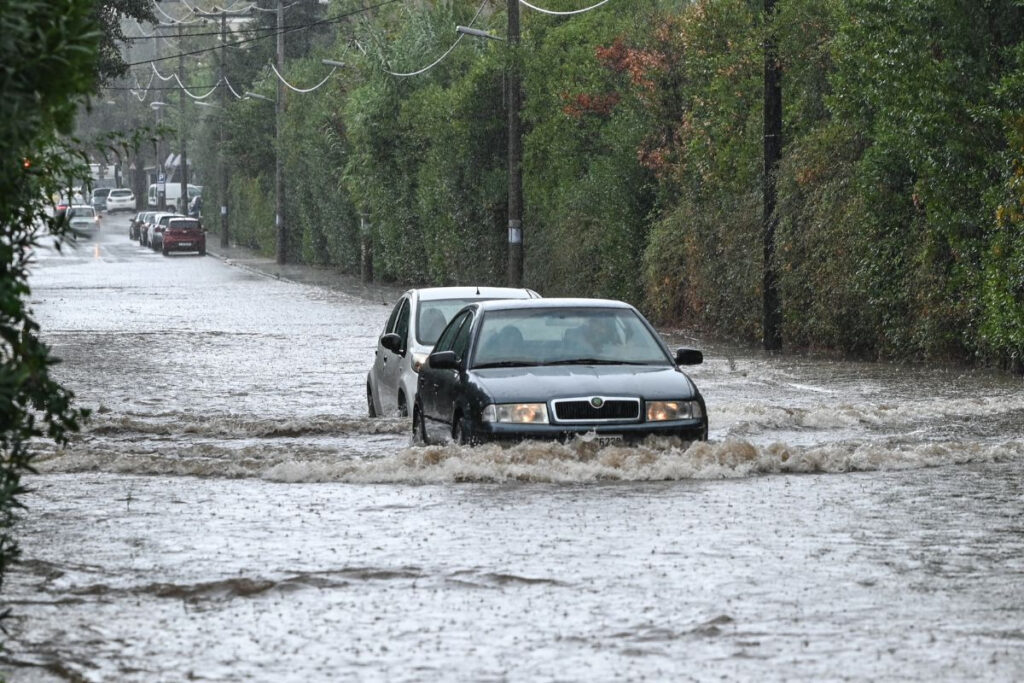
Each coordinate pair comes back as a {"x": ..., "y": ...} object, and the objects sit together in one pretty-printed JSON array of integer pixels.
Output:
[{"x": 230, "y": 514}]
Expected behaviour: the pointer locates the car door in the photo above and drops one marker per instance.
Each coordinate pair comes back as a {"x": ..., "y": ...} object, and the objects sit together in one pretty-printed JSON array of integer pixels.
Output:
[
  {"x": 449, "y": 385},
  {"x": 389, "y": 366},
  {"x": 436, "y": 387}
]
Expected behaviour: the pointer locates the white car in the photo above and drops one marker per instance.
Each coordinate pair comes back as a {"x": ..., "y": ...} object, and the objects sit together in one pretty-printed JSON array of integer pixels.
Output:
[
  {"x": 83, "y": 220},
  {"x": 120, "y": 199},
  {"x": 410, "y": 333}
]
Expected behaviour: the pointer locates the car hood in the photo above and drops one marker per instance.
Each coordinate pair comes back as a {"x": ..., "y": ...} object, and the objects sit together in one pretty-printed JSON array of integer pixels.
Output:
[{"x": 564, "y": 381}]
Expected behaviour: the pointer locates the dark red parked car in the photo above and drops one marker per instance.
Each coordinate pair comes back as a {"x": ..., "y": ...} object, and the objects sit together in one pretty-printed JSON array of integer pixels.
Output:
[{"x": 184, "y": 234}]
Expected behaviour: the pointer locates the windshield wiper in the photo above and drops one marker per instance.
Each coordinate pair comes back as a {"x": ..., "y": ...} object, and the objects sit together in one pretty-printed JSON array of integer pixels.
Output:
[
  {"x": 593, "y": 361},
  {"x": 507, "y": 364}
]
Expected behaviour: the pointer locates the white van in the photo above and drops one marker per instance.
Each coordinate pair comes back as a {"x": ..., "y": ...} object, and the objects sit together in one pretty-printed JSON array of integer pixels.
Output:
[{"x": 173, "y": 192}]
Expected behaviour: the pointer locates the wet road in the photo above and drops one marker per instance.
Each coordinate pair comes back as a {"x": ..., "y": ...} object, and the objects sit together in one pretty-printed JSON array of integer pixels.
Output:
[{"x": 230, "y": 514}]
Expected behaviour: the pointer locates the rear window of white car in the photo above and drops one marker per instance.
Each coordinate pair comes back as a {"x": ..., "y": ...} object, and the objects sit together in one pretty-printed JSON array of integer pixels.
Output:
[
  {"x": 120, "y": 193},
  {"x": 81, "y": 212}
]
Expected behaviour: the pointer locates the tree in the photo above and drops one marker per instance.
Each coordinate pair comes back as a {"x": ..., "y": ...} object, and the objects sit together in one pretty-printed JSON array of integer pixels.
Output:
[{"x": 48, "y": 49}]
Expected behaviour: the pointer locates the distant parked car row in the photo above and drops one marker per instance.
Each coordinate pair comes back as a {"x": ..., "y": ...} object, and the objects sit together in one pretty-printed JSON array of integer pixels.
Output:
[
  {"x": 166, "y": 232},
  {"x": 474, "y": 364}
]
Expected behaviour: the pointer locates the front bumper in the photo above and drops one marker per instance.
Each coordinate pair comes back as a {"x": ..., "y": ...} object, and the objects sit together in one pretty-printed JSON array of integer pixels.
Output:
[{"x": 687, "y": 430}]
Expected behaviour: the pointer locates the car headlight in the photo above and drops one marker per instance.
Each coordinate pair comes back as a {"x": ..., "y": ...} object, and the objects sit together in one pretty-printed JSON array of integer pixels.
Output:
[
  {"x": 659, "y": 411},
  {"x": 418, "y": 359},
  {"x": 517, "y": 413}
]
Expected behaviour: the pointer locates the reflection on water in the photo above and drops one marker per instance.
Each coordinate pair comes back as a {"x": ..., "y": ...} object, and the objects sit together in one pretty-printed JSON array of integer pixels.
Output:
[{"x": 230, "y": 513}]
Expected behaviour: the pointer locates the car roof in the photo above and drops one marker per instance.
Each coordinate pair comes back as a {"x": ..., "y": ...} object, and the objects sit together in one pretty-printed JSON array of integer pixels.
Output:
[
  {"x": 505, "y": 304},
  {"x": 438, "y": 293}
]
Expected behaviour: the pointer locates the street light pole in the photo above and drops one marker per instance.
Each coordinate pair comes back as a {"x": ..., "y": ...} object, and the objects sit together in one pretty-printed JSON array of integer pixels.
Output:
[
  {"x": 282, "y": 240},
  {"x": 515, "y": 153},
  {"x": 772, "y": 321},
  {"x": 161, "y": 187},
  {"x": 222, "y": 165},
  {"x": 182, "y": 160}
]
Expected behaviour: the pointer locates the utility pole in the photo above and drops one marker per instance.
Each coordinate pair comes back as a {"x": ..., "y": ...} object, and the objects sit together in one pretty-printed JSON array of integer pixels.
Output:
[
  {"x": 282, "y": 240},
  {"x": 772, "y": 331},
  {"x": 222, "y": 167},
  {"x": 515, "y": 153},
  {"x": 182, "y": 160}
]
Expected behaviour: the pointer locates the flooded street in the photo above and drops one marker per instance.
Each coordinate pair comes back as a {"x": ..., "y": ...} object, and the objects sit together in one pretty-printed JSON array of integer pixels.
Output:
[{"x": 229, "y": 513}]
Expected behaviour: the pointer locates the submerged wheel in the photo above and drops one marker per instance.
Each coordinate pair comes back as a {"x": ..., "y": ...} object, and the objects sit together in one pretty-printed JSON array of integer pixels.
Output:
[
  {"x": 460, "y": 434},
  {"x": 371, "y": 410},
  {"x": 419, "y": 428},
  {"x": 403, "y": 408}
]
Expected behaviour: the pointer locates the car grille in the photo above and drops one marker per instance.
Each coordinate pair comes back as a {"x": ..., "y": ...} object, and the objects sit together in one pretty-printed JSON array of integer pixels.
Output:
[{"x": 610, "y": 409}]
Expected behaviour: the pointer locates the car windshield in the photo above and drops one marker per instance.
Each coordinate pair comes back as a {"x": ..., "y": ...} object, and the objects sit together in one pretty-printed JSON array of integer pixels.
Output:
[
  {"x": 120, "y": 193},
  {"x": 434, "y": 315},
  {"x": 183, "y": 225},
  {"x": 81, "y": 212},
  {"x": 566, "y": 336}
]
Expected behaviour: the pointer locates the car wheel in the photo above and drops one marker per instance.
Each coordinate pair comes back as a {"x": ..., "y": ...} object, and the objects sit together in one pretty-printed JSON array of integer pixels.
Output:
[
  {"x": 202, "y": 252},
  {"x": 460, "y": 434},
  {"x": 165, "y": 250},
  {"x": 403, "y": 408},
  {"x": 371, "y": 410},
  {"x": 419, "y": 428}
]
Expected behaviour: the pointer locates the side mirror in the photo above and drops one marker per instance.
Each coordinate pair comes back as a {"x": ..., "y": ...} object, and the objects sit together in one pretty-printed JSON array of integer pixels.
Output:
[
  {"x": 443, "y": 360},
  {"x": 689, "y": 357},
  {"x": 392, "y": 342}
]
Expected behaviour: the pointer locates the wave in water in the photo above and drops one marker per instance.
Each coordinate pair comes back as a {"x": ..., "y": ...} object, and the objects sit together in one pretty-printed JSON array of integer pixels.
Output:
[{"x": 579, "y": 461}]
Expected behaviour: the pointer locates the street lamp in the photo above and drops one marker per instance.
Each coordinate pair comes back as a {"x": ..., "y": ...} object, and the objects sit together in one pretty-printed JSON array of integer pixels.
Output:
[{"x": 466, "y": 30}]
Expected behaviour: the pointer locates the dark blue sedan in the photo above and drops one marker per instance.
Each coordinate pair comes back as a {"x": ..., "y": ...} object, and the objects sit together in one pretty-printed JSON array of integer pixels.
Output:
[{"x": 551, "y": 369}]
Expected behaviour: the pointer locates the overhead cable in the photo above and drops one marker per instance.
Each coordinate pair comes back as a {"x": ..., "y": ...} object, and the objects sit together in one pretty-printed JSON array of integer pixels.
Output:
[
  {"x": 301, "y": 90},
  {"x": 561, "y": 14},
  {"x": 322, "y": 22},
  {"x": 228, "y": 83},
  {"x": 177, "y": 22},
  {"x": 443, "y": 56}
]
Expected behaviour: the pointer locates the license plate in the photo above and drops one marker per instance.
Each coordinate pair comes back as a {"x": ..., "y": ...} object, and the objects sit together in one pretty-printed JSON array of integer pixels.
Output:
[
  {"x": 606, "y": 439},
  {"x": 184, "y": 244}
]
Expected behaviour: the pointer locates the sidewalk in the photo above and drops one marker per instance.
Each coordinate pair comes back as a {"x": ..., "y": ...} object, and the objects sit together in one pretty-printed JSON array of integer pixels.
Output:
[{"x": 317, "y": 276}]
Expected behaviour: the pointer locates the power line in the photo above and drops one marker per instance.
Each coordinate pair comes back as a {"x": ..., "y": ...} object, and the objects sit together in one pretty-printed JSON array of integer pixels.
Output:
[
  {"x": 442, "y": 57},
  {"x": 322, "y": 22},
  {"x": 561, "y": 14}
]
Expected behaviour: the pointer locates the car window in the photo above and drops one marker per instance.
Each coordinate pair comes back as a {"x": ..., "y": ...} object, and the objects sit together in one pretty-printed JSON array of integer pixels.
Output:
[
  {"x": 564, "y": 335},
  {"x": 461, "y": 344},
  {"x": 446, "y": 341},
  {"x": 81, "y": 212},
  {"x": 433, "y": 315},
  {"x": 184, "y": 224},
  {"x": 402, "y": 324},
  {"x": 389, "y": 326}
]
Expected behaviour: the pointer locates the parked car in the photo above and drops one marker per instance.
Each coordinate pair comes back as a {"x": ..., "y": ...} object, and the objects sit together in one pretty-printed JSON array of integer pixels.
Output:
[
  {"x": 135, "y": 224},
  {"x": 183, "y": 234},
  {"x": 155, "y": 229},
  {"x": 120, "y": 199},
  {"x": 409, "y": 334},
  {"x": 99, "y": 198},
  {"x": 83, "y": 220},
  {"x": 554, "y": 368}
]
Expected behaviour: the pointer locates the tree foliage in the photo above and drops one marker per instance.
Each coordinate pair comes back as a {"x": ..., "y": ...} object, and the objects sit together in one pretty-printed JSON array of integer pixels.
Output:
[
  {"x": 48, "y": 51},
  {"x": 899, "y": 205}
]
